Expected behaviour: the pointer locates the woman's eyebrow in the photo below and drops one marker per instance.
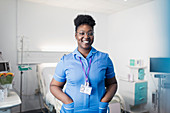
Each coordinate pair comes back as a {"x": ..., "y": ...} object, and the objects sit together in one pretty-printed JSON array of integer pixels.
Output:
[
  {"x": 90, "y": 30},
  {"x": 87, "y": 31}
]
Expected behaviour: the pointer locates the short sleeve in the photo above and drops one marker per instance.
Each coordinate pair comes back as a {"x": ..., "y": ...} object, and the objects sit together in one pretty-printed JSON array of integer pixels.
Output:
[
  {"x": 110, "y": 69},
  {"x": 60, "y": 75}
]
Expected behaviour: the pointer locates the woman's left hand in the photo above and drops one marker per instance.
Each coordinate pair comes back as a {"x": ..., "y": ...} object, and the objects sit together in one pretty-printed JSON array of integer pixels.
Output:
[{"x": 111, "y": 88}]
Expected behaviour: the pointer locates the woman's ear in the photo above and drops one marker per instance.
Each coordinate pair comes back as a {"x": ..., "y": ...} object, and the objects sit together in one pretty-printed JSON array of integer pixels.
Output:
[{"x": 76, "y": 36}]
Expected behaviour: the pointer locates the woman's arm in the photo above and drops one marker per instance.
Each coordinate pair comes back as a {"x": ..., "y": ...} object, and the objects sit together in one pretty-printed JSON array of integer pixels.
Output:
[
  {"x": 56, "y": 89},
  {"x": 111, "y": 88}
]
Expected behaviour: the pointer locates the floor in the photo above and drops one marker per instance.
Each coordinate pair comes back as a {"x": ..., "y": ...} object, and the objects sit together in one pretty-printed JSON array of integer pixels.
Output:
[
  {"x": 30, "y": 104},
  {"x": 37, "y": 111}
]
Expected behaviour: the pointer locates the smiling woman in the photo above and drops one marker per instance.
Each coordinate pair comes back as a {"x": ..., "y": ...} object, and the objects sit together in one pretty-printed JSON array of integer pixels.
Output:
[
  {"x": 84, "y": 33},
  {"x": 88, "y": 74},
  {"x": 84, "y": 36}
]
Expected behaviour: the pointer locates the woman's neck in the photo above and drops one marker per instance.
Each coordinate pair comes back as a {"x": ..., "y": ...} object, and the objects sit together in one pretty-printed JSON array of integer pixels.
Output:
[{"x": 84, "y": 52}]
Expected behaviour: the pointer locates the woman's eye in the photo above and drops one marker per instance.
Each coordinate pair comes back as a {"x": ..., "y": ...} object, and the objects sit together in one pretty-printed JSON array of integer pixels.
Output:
[
  {"x": 90, "y": 34},
  {"x": 81, "y": 33}
]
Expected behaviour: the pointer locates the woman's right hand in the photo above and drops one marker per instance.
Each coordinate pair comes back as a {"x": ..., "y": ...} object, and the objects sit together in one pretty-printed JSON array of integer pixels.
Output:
[
  {"x": 56, "y": 90},
  {"x": 68, "y": 101}
]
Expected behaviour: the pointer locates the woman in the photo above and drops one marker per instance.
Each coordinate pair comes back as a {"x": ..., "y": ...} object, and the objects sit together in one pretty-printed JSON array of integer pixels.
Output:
[{"x": 88, "y": 74}]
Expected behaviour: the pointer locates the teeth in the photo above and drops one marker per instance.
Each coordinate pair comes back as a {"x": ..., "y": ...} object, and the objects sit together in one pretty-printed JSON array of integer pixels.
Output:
[{"x": 86, "y": 41}]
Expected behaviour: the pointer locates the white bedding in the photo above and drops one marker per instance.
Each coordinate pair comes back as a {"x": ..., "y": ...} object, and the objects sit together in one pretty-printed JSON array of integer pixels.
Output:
[{"x": 45, "y": 74}]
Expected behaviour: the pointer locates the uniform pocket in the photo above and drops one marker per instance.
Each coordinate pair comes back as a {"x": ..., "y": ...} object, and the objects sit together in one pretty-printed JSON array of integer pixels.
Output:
[
  {"x": 67, "y": 108},
  {"x": 103, "y": 106}
]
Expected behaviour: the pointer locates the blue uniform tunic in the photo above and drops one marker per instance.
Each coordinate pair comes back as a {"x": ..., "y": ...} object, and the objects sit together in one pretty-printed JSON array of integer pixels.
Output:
[{"x": 70, "y": 69}]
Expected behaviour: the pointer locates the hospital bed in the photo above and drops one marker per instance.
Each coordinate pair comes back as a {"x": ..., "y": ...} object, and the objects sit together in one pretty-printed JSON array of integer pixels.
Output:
[{"x": 45, "y": 72}]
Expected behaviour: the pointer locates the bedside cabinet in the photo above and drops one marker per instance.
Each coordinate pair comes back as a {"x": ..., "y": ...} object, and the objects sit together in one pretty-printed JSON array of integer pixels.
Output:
[
  {"x": 134, "y": 95},
  {"x": 140, "y": 92}
]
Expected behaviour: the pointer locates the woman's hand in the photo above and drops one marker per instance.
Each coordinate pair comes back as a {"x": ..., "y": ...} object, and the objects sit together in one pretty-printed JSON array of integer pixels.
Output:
[
  {"x": 69, "y": 101},
  {"x": 111, "y": 88},
  {"x": 56, "y": 89}
]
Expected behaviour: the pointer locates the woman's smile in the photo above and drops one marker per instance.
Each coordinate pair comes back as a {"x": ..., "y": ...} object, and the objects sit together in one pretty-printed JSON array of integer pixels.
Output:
[{"x": 86, "y": 42}]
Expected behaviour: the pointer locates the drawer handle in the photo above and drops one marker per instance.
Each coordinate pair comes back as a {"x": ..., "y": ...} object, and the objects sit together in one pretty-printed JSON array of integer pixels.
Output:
[
  {"x": 141, "y": 88},
  {"x": 141, "y": 99}
]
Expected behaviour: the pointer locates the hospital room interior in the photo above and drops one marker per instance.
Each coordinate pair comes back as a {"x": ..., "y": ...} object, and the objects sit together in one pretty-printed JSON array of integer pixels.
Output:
[{"x": 35, "y": 34}]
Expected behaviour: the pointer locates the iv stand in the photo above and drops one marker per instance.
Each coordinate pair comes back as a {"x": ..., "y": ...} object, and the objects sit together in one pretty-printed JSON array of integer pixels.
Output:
[
  {"x": 22, "y": 47},
  {"x": 22, "y": 68}
]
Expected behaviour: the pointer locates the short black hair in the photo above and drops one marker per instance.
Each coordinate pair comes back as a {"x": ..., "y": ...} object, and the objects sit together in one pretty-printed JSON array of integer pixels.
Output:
[{"x": 84, "y": 19}]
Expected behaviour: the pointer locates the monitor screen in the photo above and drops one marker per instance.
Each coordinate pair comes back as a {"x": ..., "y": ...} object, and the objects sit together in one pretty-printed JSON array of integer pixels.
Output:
[
  {"x": 2, "y": 67},
  {"x": 160, "y": 65}
]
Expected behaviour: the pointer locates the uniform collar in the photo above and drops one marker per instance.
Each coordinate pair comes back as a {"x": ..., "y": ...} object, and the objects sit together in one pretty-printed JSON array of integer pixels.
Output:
[{"x": 77, "y": 53}]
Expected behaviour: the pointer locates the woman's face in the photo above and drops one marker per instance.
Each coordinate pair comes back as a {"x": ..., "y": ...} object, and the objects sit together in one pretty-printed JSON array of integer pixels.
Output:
[{"x": 84, "y": 36}]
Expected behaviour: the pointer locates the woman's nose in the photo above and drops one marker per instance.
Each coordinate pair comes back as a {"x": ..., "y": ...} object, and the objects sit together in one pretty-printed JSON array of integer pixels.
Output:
[{"x": 86, "y": 35}]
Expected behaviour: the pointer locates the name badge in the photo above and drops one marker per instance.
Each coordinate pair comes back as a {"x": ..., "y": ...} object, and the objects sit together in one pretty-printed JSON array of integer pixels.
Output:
[{"x": 86, "y": 89}]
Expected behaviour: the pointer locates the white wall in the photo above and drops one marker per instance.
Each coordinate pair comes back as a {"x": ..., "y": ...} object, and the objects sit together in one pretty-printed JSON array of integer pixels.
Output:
[
  {"x": 137, "y": 33},
  {"x": 8, "y": 30},
  {"x": 8, "y": 33},
  {"x": 52, "y": 28}
]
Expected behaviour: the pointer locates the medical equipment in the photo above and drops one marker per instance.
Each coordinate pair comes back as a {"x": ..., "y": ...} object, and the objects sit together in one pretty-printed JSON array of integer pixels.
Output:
[
  {"x": 136, "y": 62},
  {"x": 137, "y": 73},
  {"x": 134, "y": 89},
  {"x": 4, "y": 66},
  {"x": 160, "y": 65},
  {"x": 24, "y": 67},
  {"x": 161, "y": 69}
]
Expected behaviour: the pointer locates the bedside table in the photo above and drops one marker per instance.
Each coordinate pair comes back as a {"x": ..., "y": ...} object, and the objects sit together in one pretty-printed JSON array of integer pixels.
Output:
[{"x": 11, "y": 101}]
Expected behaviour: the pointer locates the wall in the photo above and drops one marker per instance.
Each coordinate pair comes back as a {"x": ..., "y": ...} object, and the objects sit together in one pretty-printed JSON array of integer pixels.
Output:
[
  {"x": 8, "y": 31},
  {"x": 52, "y": 28},
  {"x": 137, "y": 33},
  {"x": 167, "y": 18},
  {"x": 8, "y": 35}
]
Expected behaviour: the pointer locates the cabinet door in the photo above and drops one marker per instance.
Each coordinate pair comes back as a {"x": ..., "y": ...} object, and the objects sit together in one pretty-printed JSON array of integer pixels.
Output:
[{"x": 140, "y": 93}]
